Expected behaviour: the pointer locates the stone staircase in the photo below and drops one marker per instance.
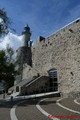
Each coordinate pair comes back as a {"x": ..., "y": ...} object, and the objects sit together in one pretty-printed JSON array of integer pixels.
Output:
[{"x": 36, "y": 86}]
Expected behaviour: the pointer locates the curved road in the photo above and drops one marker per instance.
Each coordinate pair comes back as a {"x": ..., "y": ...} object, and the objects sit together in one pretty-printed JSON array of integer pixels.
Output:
[
  {"x": 28, "y": 110},
  {"x": 51, "y": 107},
  {"x": 5, "y": 107},
  {"x": 5, "y": 111}
]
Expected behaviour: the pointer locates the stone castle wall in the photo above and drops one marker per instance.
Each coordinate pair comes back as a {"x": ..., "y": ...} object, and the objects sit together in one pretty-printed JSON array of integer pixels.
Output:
[
  {"x": 61, "y": 51},
  {"x": 24, "y": 55},
  {"x": 29, "y": 72}
]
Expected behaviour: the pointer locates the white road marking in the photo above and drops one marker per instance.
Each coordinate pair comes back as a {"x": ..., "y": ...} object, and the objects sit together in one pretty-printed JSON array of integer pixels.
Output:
[
  {"x": 43, "y": 111},
  {"x": 13, "y": 114},
  {"x": 77, "y": 101},
  {"x": 12, "y": 111},
  {"x": 47, "y": 114},
  {"x": 66, "y": 107}
]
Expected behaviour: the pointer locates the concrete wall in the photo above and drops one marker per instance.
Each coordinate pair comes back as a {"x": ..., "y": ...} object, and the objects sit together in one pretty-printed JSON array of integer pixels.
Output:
[{"x": 61, "y": 51}]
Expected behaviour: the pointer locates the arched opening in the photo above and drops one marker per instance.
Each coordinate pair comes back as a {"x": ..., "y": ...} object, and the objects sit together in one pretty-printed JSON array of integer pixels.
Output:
[{"x": 53, "y": 79}]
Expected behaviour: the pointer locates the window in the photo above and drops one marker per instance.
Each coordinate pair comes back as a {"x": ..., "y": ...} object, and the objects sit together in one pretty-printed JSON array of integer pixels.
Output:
[{"x": 53, "y": 79}]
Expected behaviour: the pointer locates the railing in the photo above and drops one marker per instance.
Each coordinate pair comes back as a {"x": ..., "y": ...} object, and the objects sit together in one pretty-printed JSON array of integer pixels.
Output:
[
  {"x": 36, "y": 95},
  {"x": 29, "y": 83}
]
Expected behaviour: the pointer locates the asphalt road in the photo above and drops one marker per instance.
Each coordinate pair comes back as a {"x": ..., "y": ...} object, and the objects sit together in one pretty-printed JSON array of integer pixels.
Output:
[
  {"x": 27, "y": 110},
  {"x": 51, "y": 107},
  {"x": 5, "y": 107}
]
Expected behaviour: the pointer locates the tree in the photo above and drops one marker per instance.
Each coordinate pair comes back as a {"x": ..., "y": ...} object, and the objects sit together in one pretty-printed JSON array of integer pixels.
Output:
[
  {"x": 4, "y": 22},
  {"x": 7, "y": 71},
  {"x": 7, "y": 67}
]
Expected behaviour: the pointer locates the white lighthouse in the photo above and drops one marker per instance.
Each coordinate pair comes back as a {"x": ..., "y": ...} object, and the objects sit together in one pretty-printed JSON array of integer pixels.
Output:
[
  {"x": 24, "y": 54},
  {"x": 26, "y": 36}
]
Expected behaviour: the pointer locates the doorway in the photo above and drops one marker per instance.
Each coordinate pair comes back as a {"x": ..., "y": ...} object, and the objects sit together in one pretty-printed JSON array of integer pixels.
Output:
[
  {"x": 53, "y": 80},
  {"x": 17, "y": 88}
]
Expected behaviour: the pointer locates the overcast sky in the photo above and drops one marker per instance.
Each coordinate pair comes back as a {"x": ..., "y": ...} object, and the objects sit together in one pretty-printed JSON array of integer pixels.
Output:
[{"x": 43, "y": 16}]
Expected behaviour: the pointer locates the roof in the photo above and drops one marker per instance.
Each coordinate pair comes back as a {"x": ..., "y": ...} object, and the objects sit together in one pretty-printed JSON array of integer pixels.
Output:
[{"x": 22, "y": 83}]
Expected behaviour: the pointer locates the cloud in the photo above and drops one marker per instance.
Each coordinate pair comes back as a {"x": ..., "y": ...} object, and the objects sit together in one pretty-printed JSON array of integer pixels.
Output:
[{"x": 12, "y": 39}]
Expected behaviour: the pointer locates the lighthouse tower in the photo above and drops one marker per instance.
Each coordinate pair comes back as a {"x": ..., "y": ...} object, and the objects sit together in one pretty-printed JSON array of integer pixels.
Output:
[
  {"x": 24, "y": 55},
  {"x": 26, "y": 46},
  {"x": 26, "y": 36},
  {"x": 24, "y": 52}
]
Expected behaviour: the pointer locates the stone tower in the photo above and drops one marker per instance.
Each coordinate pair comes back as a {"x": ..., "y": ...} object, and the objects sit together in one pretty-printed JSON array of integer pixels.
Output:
[{"x": 24, "y": 54}]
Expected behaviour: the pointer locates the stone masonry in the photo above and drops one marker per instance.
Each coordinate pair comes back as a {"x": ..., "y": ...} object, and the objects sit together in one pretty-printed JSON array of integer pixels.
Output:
[{"x": 61, "y": 51}]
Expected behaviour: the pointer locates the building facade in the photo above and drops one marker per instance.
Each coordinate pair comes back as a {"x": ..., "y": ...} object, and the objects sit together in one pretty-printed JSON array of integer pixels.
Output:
[{"x": 57, "y": 57}]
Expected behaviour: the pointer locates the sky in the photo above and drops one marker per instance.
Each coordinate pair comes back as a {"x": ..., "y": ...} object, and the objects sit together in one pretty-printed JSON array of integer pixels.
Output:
[{"x": 43, "y": 16}]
